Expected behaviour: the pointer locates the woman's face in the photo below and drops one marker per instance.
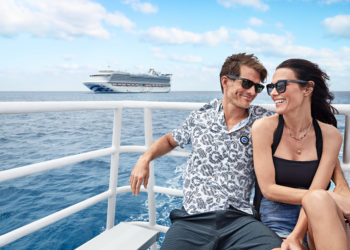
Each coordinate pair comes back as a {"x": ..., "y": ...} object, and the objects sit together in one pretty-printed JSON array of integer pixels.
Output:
[{"x": 293, "y": 97}]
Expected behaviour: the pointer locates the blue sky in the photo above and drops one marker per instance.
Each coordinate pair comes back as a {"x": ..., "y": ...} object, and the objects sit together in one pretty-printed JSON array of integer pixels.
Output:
[{"x": 54, "y": 45}]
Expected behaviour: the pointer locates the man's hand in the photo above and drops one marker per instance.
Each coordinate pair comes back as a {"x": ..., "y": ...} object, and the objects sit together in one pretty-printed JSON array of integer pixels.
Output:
[
  {"x": 292, "y": 244},
  {"x": 139, "y": 174}
]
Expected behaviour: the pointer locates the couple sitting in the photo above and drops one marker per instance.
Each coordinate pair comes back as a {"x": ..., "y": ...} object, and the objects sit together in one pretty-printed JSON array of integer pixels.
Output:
[{"x": 295, "y": 156}]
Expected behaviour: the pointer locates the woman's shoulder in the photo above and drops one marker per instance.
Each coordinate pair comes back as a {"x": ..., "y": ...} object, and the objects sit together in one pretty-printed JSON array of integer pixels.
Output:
[
  {"x": 329, "y": 131},
  {"x": 266, "y": 123}
]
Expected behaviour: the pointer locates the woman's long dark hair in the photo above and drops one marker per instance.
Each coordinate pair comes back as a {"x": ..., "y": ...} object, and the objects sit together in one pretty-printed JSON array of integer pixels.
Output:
[{"x": 321, "y": 108}]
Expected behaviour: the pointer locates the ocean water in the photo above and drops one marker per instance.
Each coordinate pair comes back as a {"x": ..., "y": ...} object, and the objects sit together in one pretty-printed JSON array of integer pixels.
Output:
[{"x": 32, "y": 138}]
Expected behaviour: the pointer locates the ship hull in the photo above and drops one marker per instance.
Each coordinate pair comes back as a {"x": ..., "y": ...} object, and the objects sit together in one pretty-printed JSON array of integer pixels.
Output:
[{"x": 109, "y": 88}]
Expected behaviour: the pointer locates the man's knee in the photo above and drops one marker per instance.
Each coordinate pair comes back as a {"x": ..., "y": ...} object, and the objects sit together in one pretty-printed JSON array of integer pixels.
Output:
[{"x": 185, "y": 235}]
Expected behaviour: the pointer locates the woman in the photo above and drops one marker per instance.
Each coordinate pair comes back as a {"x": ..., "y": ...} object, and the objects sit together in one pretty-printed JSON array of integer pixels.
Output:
[{"x": 296, "y": 149}]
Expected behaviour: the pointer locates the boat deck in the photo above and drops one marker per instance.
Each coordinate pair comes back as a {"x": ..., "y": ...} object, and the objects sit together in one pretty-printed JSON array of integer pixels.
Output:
[{"x": 123, "y": 233}]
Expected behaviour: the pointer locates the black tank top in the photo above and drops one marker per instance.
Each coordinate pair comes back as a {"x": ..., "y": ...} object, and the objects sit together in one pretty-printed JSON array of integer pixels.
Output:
[{"x": 295, "y": 174}]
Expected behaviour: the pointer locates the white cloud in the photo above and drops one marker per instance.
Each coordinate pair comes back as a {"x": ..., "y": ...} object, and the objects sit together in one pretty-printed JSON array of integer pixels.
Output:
[
  {"x": 69, "y": 67},
  {"x": 336, "y": 63},
  {"x": 255, "y": 21},
  {"x": 195, "y": 77},
  {"x": 143, "y": 7},
  {"x": 187, "y": 58},
  {"x": 179, "y": 58},
  {"x": 158, "y": 53},
  {"x": 338, "y": 25},
  {"x": 243, "y": 39},
  {"x": 177, "y": 36},
  {"x": 257, "y": 4},
  {"x": 119, "y": 20},
  {"x": 270, "y": 44},
  {"x": 272, "y": 47},
  {"x": 172, "y": 35},
  {"x": 262, "y": 42},
  {"x": 60, "y": 19}
]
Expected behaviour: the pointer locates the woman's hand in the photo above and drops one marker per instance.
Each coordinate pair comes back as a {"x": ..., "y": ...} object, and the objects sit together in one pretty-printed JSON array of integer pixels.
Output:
[
  {"x": 343, "y": 191},
  {"x": 292, "y": 244},
  {"x": 342, "y": 199}
]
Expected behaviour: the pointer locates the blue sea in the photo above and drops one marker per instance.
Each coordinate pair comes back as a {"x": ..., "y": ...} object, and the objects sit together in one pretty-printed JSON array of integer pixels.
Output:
[{"x": 32, "y": 138}]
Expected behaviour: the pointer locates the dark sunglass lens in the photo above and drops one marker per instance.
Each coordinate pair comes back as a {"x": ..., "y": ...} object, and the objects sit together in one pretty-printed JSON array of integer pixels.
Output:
[
  {"x": 247, "y": 84},
  {"x": 269, "y": 88},
  {"x": 259, "y": 88},
  {"x": 281, "y": 86}
]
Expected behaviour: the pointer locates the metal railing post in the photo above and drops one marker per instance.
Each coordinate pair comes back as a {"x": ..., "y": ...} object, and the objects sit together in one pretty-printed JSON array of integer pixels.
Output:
[
  {"x": 346, "y": 148},
  {"x": 113, "y": 175},
  {"x": 150, "y": 186}
]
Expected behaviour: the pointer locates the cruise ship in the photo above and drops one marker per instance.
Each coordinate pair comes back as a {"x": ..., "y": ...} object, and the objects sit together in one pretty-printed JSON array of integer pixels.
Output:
[{"x": 109, "y": 81}]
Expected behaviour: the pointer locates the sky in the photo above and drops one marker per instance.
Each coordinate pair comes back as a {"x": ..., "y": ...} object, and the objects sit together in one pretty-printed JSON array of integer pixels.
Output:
[{"x": 54, "y": 45}]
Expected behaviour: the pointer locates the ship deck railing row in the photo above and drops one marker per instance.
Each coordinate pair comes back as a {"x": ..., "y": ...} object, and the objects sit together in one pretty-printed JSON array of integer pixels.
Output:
[{"x": 114, "y": 151}]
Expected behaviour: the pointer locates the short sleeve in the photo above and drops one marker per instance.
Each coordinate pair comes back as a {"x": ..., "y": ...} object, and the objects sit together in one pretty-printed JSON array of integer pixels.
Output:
[
  {"x": 182, "y": 135},
  {"x": 260, "y": 112}
]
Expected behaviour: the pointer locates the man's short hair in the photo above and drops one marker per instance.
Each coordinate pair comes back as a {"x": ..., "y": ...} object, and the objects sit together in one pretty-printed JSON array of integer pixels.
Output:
[{"x": 232, "y": 66}]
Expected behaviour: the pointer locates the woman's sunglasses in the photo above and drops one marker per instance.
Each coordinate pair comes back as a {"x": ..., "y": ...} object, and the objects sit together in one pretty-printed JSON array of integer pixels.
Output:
[
  {"x": 247, "y": 84},
  {"x": 281, "y": 85}
]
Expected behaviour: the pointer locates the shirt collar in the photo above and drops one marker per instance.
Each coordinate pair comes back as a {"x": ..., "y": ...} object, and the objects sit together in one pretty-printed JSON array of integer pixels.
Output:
[{"x": 239, "y": 125}]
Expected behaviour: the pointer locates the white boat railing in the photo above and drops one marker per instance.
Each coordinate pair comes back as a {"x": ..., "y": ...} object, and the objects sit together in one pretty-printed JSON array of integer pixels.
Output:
[{"x": 114, "y": 151}]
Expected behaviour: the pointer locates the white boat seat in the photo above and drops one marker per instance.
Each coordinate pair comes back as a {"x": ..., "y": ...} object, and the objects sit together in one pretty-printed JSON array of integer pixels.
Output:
[{"x": 124, "y": 236}]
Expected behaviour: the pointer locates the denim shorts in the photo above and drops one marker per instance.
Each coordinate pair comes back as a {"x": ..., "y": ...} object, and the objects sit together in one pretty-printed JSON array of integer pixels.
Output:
[{"x": 279, "y": 217}]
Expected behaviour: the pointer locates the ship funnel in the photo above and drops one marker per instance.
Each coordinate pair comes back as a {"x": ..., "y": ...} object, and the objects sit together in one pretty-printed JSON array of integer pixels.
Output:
[{"x": 151, "y": 71}]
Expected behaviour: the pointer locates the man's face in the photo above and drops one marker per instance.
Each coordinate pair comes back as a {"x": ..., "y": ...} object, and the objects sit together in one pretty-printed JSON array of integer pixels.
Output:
[{"x": 235, "y": 94}]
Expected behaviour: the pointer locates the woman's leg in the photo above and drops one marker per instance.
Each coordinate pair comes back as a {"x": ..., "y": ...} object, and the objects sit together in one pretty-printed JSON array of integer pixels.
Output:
[
  {"x": 326, "y": 220},
  {"x": 310, "y": 238}
]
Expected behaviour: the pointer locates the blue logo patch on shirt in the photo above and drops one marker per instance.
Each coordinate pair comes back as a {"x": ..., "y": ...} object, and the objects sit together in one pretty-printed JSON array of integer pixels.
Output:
[{"x": 244, "y": 140}]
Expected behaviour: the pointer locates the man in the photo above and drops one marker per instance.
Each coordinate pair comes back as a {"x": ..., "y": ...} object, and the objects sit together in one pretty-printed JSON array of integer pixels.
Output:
[{"x": 219, "y": 176}]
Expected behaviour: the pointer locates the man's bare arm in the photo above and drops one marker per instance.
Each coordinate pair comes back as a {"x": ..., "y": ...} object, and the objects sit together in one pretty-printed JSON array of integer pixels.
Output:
[{"x": 140, "y": 173}]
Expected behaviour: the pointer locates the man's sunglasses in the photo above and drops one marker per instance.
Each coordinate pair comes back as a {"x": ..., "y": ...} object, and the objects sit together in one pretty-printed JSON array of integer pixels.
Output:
[
  {"x": 281, "y": 85},
  {"x": 247, "y": 84}
]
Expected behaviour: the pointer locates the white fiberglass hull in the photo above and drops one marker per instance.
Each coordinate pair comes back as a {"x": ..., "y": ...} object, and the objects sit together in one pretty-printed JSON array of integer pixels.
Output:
[{"x": 109, "y": 88}]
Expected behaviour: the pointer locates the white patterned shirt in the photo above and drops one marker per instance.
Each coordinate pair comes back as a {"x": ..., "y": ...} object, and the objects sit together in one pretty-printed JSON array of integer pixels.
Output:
[{"x": 219, "y": 171}]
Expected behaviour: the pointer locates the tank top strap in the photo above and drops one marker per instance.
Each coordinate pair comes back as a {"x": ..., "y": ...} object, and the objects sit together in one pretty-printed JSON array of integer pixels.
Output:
[
  {"x": 277, "y": 134},
  {"x": 319, "y": 139}
]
